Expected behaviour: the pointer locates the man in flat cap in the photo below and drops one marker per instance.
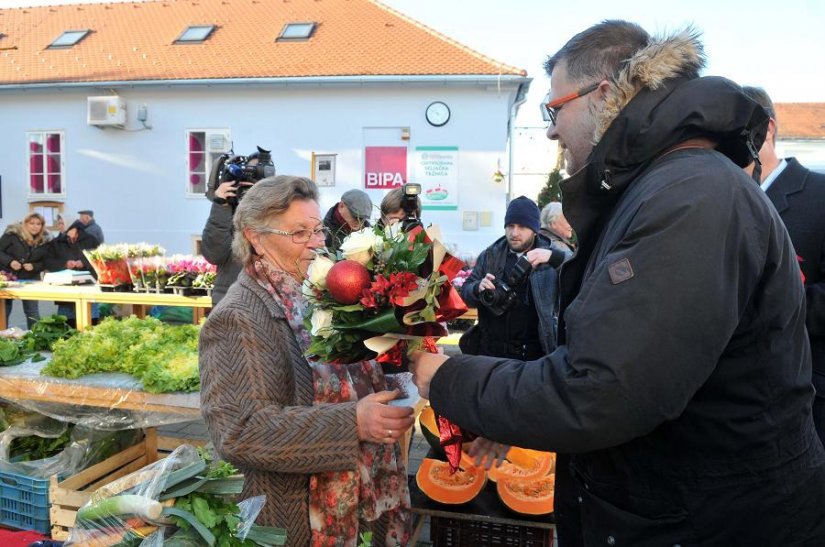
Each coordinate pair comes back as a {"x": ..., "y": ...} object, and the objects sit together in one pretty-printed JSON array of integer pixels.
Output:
[
  {"x": 348, "y": 215},
  {"x": 87, "y": 218}
]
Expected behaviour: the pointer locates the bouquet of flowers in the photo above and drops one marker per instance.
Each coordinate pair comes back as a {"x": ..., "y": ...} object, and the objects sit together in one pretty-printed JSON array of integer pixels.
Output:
[
  {"x": 188, "y": 272},
  {"x": 390, "y": 292}
]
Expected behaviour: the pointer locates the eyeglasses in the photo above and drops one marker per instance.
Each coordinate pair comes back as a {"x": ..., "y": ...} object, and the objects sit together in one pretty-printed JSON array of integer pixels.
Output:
[
  {"x": 298, "y": 236},
  {"x": 550, "y": 109}
]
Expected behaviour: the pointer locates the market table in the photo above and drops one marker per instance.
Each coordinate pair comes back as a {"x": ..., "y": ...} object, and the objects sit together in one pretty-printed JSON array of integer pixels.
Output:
[{"x": 83, "y": 296}]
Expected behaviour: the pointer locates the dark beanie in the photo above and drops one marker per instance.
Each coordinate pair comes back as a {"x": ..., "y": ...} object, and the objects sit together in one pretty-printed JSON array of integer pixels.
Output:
[{"x": 524, "y": 211}]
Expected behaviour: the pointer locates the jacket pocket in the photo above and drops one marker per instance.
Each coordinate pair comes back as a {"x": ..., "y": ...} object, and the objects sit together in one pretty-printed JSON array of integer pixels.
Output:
[{"x": 643, "y": 523}]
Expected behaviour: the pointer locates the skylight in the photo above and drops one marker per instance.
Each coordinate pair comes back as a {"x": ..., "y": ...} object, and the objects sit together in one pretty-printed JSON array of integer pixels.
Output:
[
  {"x": 297, "y": 31},
  {"x": 69, "y": 38},
  {"x": 195, "y": 34}
]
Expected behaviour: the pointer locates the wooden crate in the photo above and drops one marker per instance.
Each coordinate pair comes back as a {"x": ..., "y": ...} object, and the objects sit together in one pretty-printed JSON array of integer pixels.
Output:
[{"x": 68, "y": 495}]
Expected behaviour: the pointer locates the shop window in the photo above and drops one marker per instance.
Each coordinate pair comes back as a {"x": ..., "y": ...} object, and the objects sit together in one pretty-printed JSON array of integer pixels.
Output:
[
  {"x": 46, "y": 164},
  {"x": 50, "y": 210},
  {"x": 204, "y": 147}
]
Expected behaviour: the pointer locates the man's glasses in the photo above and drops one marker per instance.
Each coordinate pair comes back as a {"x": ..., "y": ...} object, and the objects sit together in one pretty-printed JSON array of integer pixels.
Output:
[
  {"x": 550, "y": 109},
  {"x": 298, "y": 236}
]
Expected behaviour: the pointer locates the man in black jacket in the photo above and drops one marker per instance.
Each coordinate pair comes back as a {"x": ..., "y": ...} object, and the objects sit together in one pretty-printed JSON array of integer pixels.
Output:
[
  {"x": 681, "y": 387},
  {"x": 798, "y": 195},
  {"x": 518, "y": 323},
  {"x": 216, "y": 239}
]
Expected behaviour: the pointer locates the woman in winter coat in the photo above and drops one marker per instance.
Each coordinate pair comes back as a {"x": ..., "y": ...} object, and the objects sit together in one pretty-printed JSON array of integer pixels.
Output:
[{"x": 22, "y": 251}]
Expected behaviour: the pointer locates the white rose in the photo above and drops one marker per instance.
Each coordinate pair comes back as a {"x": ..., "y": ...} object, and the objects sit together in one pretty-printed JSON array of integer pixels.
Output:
[
  {"x": 318, "y": 270},
  {"x": 358, "y": 246},
  {"x": 321, "y": 323}
]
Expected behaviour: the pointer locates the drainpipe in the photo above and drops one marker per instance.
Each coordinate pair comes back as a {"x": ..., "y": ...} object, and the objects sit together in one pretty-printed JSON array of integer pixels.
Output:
[{"x": 521, "y": 97}]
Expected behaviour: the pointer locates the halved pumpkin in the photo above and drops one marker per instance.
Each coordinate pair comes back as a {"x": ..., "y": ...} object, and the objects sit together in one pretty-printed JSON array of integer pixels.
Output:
[
  {"x": 430, "y": 430},
  {"x": 528, "y": 496},
  {"x": 523, "y": 463},
  {"x": 436, "y": 481}
]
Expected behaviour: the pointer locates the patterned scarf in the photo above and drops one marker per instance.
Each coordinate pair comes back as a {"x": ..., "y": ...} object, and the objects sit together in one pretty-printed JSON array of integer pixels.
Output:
[{"x": 377, "y": 488}]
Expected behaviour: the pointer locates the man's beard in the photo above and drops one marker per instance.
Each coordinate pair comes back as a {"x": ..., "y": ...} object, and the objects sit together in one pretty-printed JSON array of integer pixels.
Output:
[{"x": 523, "y": 246}]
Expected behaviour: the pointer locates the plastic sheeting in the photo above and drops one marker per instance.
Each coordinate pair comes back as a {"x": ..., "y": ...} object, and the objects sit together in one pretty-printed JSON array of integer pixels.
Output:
[{"x": 102, "y": 401}]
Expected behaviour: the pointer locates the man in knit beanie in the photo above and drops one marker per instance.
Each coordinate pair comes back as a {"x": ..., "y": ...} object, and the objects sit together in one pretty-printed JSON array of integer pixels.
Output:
[{"x": 513, "y": 285}]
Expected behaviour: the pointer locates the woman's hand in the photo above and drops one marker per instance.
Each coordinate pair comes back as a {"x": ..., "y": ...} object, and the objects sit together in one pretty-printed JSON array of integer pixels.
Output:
[
  {"x": 28, "y": 266},
  {"x": 488, "y": 453},
  {"x": 380, "y": 423},
  {"x": 15, "y": 265}
]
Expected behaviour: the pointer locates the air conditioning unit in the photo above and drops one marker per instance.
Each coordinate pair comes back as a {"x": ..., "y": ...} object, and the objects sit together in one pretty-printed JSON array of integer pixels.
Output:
[{"x": 108, "y": 111}]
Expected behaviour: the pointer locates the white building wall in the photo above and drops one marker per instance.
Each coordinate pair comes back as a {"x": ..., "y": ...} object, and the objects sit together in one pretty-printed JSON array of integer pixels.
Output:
[{"x": 135, "y": 180}]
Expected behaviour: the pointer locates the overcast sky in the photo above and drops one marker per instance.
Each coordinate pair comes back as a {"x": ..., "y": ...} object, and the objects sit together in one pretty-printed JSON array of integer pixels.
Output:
[{"x": 777, "y": 45}]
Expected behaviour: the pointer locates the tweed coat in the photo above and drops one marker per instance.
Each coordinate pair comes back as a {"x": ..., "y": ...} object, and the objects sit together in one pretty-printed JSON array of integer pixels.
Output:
[{"x": 257, "y": 400}]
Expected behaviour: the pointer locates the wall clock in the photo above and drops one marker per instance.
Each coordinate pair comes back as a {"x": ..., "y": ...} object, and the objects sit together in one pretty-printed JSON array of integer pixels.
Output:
[{"x": 438, "y": 113}]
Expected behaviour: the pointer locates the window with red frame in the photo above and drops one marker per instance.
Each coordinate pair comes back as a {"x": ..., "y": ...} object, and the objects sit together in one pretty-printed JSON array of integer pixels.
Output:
[
  {"x": 46, "y": 163},
  {"x": 204, "y": 147}
]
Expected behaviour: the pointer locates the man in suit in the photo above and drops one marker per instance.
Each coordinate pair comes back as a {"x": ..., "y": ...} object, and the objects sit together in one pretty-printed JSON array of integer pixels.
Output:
[{"x": 798, "y": 195}]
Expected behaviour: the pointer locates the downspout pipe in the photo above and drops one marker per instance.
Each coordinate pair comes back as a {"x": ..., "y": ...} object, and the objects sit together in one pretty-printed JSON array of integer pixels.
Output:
[{"x": 521, "y": 98}]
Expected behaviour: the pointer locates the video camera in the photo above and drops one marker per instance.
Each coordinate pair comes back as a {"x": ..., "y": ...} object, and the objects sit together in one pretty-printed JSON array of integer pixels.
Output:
[
  {"x": 504, "y": 293},
  {"x": 238, "y": 169}
]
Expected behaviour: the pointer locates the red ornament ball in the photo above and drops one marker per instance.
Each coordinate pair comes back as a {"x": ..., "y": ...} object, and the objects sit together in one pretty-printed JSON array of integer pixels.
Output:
[{"x": 346, "y": 280}]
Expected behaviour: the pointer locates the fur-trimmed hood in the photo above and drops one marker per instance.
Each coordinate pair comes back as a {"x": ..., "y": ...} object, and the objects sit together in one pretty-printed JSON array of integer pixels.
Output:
[{"x": 18, "y": 230}]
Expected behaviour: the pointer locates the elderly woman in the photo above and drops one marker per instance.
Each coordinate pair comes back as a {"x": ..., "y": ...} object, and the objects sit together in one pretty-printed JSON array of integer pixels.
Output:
[
  {"x": 22, "y": 251},
  {"x": 318, "y": 439}
]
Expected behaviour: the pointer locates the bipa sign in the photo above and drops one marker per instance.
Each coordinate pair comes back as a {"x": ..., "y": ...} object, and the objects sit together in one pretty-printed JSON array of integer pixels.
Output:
[{"x": 385, "y": 167}]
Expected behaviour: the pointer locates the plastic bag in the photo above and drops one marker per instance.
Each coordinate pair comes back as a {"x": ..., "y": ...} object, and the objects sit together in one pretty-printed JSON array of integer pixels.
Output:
[
  {"x": 80, "y": 446},
  {"x": 181, "y": 499}
]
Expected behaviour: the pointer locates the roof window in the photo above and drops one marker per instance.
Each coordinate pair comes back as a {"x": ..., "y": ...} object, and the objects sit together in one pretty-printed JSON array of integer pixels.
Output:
[
  {"x": 69, "y": 38},
  {"x": 195, "y": 34},
  {"x": 297, "y": 31}
]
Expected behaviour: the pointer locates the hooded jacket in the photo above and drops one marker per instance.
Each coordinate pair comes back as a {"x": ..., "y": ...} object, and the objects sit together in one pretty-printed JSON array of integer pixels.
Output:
[
  {"x": 681, "y": 385},
  {"x": 14, "y": 245}
]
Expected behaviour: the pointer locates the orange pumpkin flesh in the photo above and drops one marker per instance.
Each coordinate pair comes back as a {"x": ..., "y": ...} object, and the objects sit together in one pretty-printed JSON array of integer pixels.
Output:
[
  {"x": 528, "y": 496},
  {"x": 523, "y": 463},
  {"x": 434, "y": 479}
]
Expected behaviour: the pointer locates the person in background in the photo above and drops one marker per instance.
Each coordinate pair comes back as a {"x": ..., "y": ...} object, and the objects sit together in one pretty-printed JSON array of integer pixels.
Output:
[
  {"x": 525, "y": 329},
  {"x": 318, "y": 439},
  {"x": 556, "y": 228},
  {"x": 799, "y": 195},
  {"x": 22, "y": 253},
  {"x": 60, "y": 224},
  {"x": 679, "y": 396},
  {"x": 92, "y": 228},
  {"x": 65, "y": 252},
  {"x": 348, "y": 215},
  {"x": 392, "y": 209},
  {"x": 216, "y": 239}
]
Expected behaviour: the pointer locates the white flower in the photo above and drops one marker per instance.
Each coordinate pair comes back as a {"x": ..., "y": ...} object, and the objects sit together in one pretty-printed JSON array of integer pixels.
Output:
[
  {"x": 321, "y": 323},
  {"x": 318, "y": 270},
  {"x": 394, "y": 231},
  {"x": 358, "y": 246}
]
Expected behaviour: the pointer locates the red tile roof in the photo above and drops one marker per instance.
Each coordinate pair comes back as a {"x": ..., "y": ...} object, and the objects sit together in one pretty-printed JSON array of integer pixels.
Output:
[
  {"x": 135, "y": 41},
  {"x": 800, "y": 120}
]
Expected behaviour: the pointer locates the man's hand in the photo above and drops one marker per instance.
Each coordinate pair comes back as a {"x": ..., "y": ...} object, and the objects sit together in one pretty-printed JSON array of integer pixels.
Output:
[
  {"x": 424, "y": 366},
  {"x": 71, "y": 234},
  {"x": 486, "y": 284},
  {"x": 226, "y": 190},
  {"x": 487, "y": 453},
  {"x": 538, "y": 256}
]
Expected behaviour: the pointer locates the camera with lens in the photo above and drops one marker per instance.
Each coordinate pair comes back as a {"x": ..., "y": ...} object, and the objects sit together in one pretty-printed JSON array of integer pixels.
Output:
[
  {"x": 503, "y": 295},
  {"x": 239, "y": 169},
  {"x": 411, "y": 204}
]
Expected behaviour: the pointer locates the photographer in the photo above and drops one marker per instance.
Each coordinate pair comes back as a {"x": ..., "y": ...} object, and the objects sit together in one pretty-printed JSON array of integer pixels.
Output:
[
  {"x": 228, "y": 181},
  {"x": 514, "y": 287}
]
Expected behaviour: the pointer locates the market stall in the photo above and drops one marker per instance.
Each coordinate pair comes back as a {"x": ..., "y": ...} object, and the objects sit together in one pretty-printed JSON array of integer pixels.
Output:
[{"x": 84, "y": 296}]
